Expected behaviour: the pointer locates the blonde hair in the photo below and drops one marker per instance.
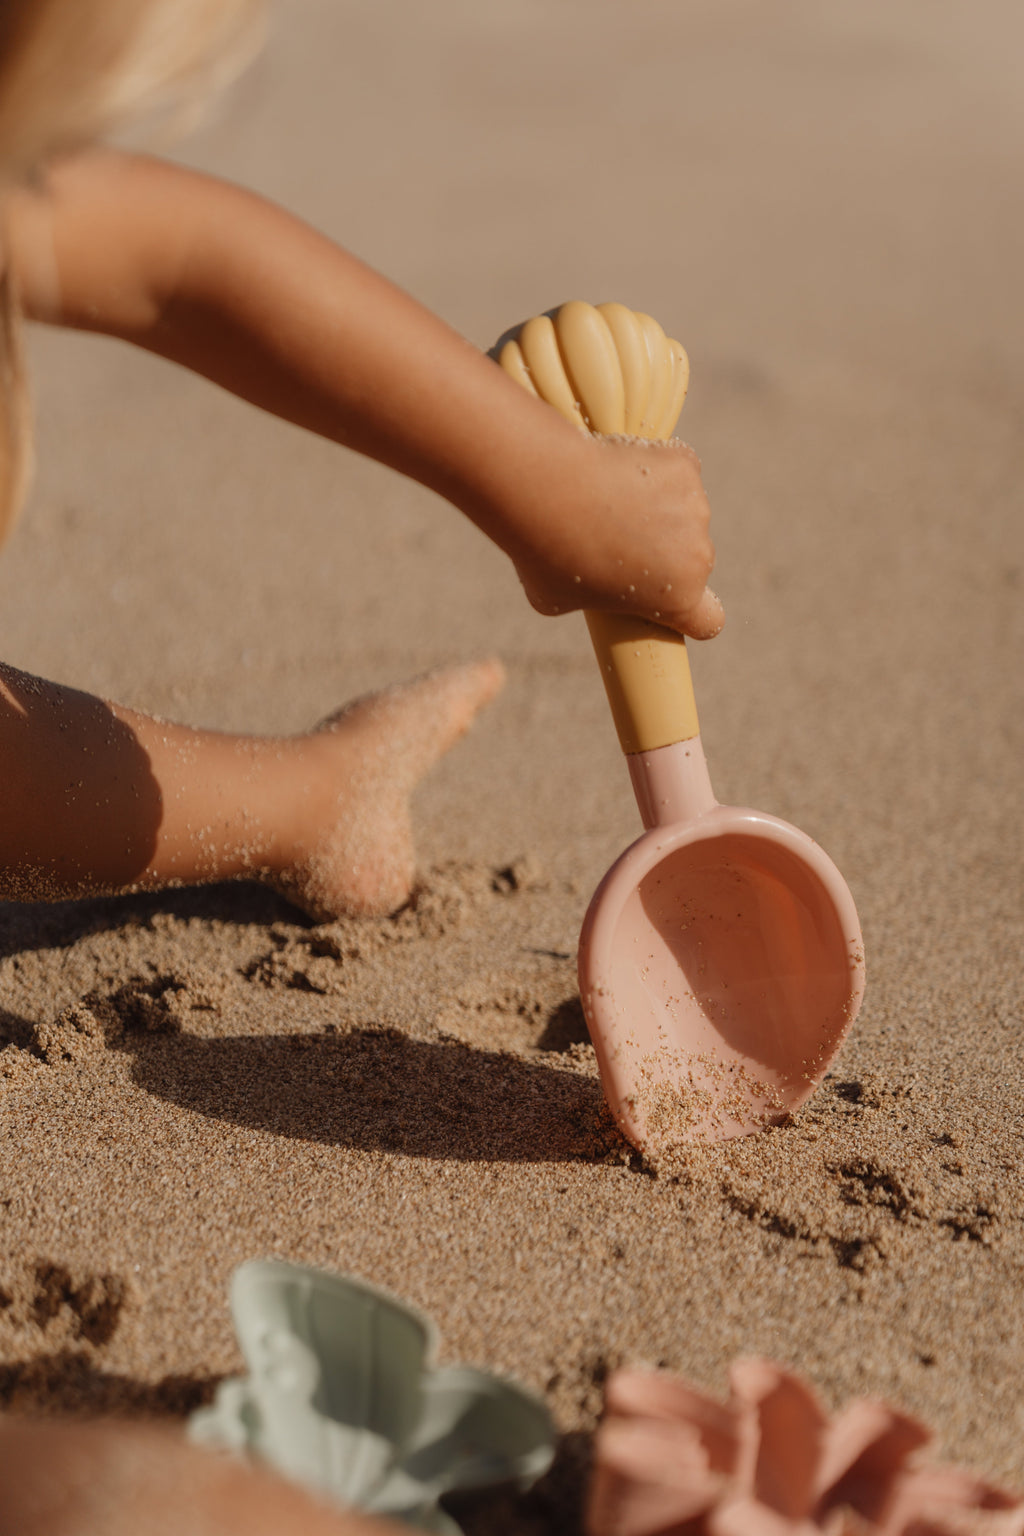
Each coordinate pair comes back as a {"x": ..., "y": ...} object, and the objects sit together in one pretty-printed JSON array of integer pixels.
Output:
[{"x": 73, "y": 72}]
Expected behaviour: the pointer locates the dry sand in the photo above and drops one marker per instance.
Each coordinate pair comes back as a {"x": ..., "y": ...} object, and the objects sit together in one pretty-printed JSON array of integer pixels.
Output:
[{"x": 824, "y": 204}]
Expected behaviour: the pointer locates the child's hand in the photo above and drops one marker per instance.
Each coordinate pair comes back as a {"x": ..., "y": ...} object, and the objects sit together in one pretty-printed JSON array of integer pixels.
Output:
[{"x": 627, "y": 531}]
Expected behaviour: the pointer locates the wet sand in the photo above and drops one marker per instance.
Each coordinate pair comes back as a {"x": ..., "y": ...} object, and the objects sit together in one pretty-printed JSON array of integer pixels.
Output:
[{"x": 825, "y": 208}]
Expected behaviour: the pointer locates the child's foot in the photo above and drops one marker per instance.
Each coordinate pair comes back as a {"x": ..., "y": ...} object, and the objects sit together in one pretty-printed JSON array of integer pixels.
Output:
[{"x": 357, "y": 855}]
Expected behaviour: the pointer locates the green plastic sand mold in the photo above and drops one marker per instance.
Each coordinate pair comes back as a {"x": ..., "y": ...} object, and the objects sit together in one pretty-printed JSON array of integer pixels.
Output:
[{"x": 342, "y": 1396}]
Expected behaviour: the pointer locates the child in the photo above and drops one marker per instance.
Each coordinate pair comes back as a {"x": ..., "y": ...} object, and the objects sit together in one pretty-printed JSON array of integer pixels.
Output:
[{"x": 101, "y": 799}]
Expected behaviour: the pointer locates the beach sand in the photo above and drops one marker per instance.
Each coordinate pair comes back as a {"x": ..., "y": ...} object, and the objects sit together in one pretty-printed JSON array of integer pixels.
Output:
[{"x": 823, "y": 204}]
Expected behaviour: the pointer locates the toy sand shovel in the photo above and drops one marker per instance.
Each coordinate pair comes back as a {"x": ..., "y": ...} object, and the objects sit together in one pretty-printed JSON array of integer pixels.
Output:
[{"x": 721, "y": 960}]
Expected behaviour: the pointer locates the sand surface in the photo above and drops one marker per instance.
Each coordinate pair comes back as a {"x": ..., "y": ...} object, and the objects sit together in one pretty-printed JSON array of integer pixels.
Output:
[{"x": 823, "y": 203}]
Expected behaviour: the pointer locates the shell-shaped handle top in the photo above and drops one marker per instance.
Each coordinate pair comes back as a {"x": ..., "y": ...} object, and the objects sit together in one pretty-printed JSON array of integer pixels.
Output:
[{"x": 604, "y": 367}]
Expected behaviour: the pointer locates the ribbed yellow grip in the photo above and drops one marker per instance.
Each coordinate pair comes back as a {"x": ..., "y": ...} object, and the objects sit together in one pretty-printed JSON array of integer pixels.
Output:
[{"x": 610, "y": 369}]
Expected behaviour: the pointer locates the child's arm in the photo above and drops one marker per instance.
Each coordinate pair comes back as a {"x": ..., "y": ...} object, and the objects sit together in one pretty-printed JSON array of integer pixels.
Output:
[
  {"x": 233, "y": 287},
  {"x": 74, "y": 1477}
]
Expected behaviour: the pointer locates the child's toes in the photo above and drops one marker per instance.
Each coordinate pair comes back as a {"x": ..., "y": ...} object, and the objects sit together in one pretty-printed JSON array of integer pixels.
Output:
[
  {"x": 406, "y": 728},
  {"x": 436, "y": 710}
]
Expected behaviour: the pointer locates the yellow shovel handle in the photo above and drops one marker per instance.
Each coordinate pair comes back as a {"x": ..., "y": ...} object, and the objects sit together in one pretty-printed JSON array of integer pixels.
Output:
[
  {"x": 609, "y": 369},
  {"x": 646, "y": 675}
]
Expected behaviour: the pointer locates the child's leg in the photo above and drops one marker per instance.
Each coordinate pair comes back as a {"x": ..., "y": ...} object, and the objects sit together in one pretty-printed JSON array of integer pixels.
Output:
[
  {"x": 110, "y": 1478},
  {"x": 98, "y": 799}
]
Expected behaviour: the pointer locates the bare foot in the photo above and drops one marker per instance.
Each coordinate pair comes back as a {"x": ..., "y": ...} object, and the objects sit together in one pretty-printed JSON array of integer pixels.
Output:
[{"x": 356, "y": 853}]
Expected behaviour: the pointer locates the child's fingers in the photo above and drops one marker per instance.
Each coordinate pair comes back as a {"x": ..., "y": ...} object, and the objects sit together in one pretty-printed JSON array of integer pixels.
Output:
[{"x": 705, "y": 620}]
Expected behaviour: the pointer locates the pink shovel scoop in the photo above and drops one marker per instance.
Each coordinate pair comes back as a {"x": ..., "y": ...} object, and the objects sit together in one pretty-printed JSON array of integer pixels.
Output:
[{"x": 721, "y": 961}]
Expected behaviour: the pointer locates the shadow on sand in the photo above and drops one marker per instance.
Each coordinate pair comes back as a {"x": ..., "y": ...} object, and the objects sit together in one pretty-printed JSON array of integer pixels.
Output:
[
  {"x": 379, "y": 1090},
  {"x": 71, "y": 1382},
  {"x": 57, "y": 925}
]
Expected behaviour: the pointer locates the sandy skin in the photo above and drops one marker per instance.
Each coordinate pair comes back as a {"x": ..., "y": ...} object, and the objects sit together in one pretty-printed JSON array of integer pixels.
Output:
[{"x": 104, "y": 799}]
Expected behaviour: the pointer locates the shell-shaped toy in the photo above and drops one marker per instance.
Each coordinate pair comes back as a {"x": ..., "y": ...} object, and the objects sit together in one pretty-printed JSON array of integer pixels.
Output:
[
  {"x": 606, "y": 368},
  {"x": 342, "y": 1395}
]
